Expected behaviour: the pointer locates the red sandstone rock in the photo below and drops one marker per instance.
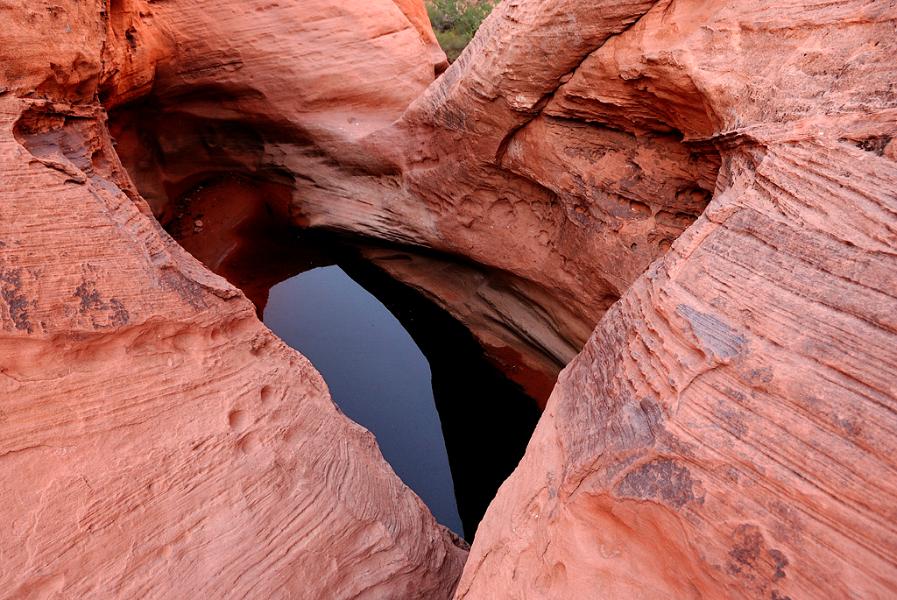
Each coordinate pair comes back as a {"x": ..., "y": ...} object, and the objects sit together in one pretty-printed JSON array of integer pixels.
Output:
[
  {"x": 416, "y": 12},
  {"x": 729, "y": 429},
  {"x": 156, "y": 440},
  {"x": 713, "y": 185}
]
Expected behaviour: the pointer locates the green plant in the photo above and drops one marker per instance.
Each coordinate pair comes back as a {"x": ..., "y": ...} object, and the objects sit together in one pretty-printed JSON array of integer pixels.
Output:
[{"x": 455, "y": 22}]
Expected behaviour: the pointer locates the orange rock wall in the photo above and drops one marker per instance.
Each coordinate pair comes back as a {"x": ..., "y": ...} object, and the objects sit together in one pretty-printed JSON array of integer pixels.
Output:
[
  {"x": 712, "y": 184},
  {"x": 156, "y": 440},
  {"x": 728, "y": 430}
]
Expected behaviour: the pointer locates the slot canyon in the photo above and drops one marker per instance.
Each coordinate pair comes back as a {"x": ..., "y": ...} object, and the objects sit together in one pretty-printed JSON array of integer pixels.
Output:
[{"x": 639, "y": 257}]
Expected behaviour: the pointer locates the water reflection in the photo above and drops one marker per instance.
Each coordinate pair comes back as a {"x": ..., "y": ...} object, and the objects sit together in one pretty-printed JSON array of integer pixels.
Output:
[
  {"x": 371, "y": 356},
  {"x": 376, "y": 373}
]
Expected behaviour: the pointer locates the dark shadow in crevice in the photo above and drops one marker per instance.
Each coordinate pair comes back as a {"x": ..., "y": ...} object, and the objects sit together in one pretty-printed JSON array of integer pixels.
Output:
[
  {"x": 487, "y": 419},
  {"x": 234, "y": 224}
]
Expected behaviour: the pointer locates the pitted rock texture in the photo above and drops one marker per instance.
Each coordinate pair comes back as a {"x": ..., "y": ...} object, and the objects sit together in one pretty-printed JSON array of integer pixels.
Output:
[{"x": 156, "y": 440}]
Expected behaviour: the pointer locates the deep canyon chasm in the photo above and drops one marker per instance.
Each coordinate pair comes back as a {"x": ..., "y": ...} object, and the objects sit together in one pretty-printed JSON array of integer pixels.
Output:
[{"x": 679, "y": 216}]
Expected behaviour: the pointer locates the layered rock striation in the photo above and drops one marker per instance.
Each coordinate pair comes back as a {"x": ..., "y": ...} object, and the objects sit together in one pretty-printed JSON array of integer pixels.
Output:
[
  {"x": 729, "y": 428},
  {"x": 690, "y": 204},
  {"x": 156, "y": 440}
]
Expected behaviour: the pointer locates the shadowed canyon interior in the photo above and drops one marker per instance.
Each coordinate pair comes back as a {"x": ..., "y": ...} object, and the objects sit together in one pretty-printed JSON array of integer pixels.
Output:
[
  {"x": 206, "y": 179},
  {"x": 389, "y": 373},
  {"x": 665, "y": 230},
  {"x": 529, "y": 329}
]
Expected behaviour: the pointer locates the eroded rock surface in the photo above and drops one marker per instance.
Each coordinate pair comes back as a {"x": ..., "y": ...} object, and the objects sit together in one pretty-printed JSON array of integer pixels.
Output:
[
  {"x": 712, "y": 184},
  {"x": 729, "y": 428},
  {"x": 156, "y": 440}
]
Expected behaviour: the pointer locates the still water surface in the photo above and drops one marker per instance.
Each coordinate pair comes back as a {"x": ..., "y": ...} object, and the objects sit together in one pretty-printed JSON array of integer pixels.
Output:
[{"x": 376, "y": 372}]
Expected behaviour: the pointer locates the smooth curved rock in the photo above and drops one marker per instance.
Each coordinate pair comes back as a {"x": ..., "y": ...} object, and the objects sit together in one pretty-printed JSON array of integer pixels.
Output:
[
  {"x": 712, "y": 184},
  {"x": 156, "y": 440},
  {"x": 729, "y": 428}
]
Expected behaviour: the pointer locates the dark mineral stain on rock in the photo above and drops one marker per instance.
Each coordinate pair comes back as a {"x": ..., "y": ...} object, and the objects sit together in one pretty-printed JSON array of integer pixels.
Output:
[
  {"x": 120, "y": 315},
  {"x": 664, "y": 480},
  {"x": 780, "y": 561},
  {"x": 189, "y": 291},
  {"x": 751, "y": 559},
  {"x": 11, "y": 292},
  {"x": 90, "y": 297},
  {"x": 747, "y": 548},
  {"x": 102, "y": 314},
  {"x": 716, "y": 337}
]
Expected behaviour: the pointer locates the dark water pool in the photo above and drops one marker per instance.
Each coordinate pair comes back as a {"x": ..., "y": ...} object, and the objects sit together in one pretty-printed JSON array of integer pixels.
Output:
[
  {"x": 450, "y": 424},
  {"x": 376, "y": 373},
  {"x": 447, "y": 419}
]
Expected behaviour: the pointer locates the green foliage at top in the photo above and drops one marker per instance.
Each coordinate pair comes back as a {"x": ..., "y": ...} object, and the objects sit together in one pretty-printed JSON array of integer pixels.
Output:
[{"x": 456, "y": 22}]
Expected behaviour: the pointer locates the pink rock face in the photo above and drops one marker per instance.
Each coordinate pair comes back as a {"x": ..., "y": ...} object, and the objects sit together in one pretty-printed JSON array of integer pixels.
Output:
[
  {"x": 691, "y": 203},
  {"x": 728, "y": 430},
  {"x": 156, "y": 440}
]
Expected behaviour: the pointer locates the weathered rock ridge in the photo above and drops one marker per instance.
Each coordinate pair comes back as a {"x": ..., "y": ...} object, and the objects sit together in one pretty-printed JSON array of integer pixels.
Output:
[
  {"x": 728, "y": 430},
  {"x": 714, "y": 185},
  {"x": 156, "y": 440}
]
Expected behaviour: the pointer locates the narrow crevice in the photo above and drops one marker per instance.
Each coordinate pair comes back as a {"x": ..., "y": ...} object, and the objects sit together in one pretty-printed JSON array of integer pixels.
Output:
[
  {"x": 208, "y": 185},
  {"x": 494, "y": 341},
  {"x": 229, "y": 224}
]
